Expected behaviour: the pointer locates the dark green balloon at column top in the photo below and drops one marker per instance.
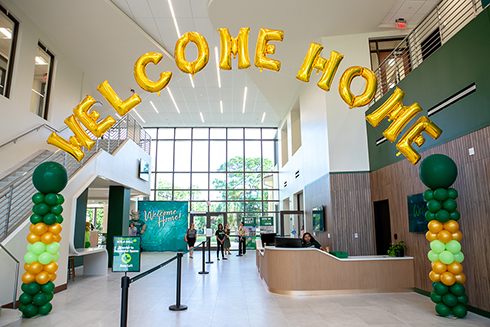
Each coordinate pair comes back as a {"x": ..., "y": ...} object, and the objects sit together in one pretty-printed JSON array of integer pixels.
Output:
[
  {"x": 438, "y": 171},
  {"x": 50, "y": 177}
]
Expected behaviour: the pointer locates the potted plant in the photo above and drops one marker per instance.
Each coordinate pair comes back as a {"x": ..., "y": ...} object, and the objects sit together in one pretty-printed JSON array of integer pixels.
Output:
[{"x": 396, "y": 249}]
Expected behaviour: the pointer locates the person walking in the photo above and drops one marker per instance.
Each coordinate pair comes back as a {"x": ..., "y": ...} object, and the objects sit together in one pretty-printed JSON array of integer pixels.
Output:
[
  {"x": 220, "y": 239},
  {"x": 132, "y": 230},
  {"x": 241, "y": 242},
  {"x": 190, "y": 238},
  {"x": 226, "y": 243}
]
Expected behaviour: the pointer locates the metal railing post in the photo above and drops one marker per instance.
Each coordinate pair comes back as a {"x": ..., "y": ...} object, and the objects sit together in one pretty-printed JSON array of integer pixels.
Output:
[
  {"x": 177, "y": 306},
  {"x": 203, "y": 272},
  {"x": 209, "y": 251},
  {"x": 124, "y": 300},
  {"x": 9, "y": 205}
]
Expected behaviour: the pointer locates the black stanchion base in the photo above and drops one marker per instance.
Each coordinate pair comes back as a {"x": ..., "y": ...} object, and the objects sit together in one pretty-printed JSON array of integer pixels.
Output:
[
  {"x": 203, "y": 272},
  {"x": 181, "y": 307},
  {"x": 239, "y": 255},
  {"x": 209, "y": 261}
]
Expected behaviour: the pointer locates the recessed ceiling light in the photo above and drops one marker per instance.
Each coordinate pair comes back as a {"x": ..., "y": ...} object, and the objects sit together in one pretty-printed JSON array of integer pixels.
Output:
[
  {"x": 173, "y": 100},
  {"x": 40, "y": 61},
  {"x": 151, "y": 102},
  {"x": 139, "y": 115},
  {"x": 192, "y": 81},
  {"x": 263, "y": 116},
  {"x": 217, "y": 65},
  {"x": 7, "y": 32},
  {"x": 221, "y": 106},
  {"x": 244, "y": 99},
  {"x": 41, "y": 95},
  {"x": 202, "y": 119},
  {"x": 173, "y": 16}
]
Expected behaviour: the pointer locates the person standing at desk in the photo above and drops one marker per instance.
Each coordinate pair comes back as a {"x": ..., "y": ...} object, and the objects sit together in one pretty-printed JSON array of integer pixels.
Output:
[
  {"x": 190, "y": 238},
  {"x": 309, "y": 242},
  {"x": 220, "y": 239},
  {"x": 241, "y": 242}
]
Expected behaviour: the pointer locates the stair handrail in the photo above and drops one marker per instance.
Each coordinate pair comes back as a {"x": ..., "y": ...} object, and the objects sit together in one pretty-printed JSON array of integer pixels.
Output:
[
  {"x": 37, "y": 128},
  {"x": 17, "y": 264}
]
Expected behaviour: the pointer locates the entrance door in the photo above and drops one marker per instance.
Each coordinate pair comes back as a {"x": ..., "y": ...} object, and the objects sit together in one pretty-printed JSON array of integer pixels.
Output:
[
  {"x": 213, "y": 221},
  {"x": 382, "y": 226},
  {"x": 199, "y": 220}
]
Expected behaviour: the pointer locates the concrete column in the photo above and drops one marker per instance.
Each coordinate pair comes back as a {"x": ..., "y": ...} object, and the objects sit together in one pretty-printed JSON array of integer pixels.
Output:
[{"x": 118, "y": 216}]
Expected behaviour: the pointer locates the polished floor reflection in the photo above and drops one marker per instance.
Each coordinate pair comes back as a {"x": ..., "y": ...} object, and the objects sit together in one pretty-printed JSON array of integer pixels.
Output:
[{"x": 231, "y": 295}]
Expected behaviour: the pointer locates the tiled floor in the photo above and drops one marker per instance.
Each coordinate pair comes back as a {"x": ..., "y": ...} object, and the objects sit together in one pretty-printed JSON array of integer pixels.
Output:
[{"x": 231, "y": 295}]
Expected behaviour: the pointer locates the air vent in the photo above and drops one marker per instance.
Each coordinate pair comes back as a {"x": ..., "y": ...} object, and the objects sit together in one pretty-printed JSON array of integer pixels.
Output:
[
  {"x": 285, "y": 184},
  {"x": 296, "y": 174}
]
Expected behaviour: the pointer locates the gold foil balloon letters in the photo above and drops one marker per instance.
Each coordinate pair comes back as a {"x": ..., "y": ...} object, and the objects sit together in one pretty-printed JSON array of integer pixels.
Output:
[
  {"x": 202, "y": 56},
  {"x": 231, "y": 45},
  {"x": 142, "y": 79},
  {"x": 263, "y": 48}
]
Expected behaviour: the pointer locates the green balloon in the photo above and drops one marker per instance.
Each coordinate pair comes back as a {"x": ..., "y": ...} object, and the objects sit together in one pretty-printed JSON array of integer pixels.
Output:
[
  {"x": 440, "y": 194},
  {"x": 45, "y": 309},
  {"x": 30, "y": 257},
  {"x": 61, "y": 199},
  {"x": 35, "y": 218},
  {"x": 463, "y": 299},
  {"x": 459, "y": 311},
  {"x": 59, "y": 219},
  {"x": 51, "y": 199},
  {"x": 49, "y": 177},
  {"x": 50, "y": 296},
  {"x": 29, "y": 247},
  {"x": 433, "y": 256},
  {"x": 49, "y": 219},
  {"x": 21, "y": 307},
  {"x": 434, "y": 206},
  {"x": 57, "y": 209},
  {"x": 437, "y": 246},
  {"x": 429, "y": 216},
  {"x": 453, "y": 246},
  {"x": 45, "y": 258},
  {"x": 38, "y": 198},
  {"x": 438, "y": 171},
  {"x": 48, "y": 287},
  {"x": 87, "y": 244},
  {"x": 450, "y": 300},
  {"x": 436, "y": 298},
  {"x": 428, "y": 195},
  {"x": 440, "y": 288},
  {"x": 41, "y": 209},
  {"x": 30, "y": 311},
  {"x": 442, "y": 216},
  {"x": 38, "y": 248},
  {"x": 449, "y": 205},
  {"x": 40, "y": 299},
  {"x": 25, "y": 299},
  {"x": 452, "y": 193},
  {"x": 459, "y": 257},
  {"x": 455, "y": 215},
  {"x": 32, "y": 288},
  {"x": 457, "y": 289},
  {"x": 446, "y": 257},
  {"x": 56, "y": 257},
  {"x": 53, "y": 248},
  {"x": 442, "y": 309}
]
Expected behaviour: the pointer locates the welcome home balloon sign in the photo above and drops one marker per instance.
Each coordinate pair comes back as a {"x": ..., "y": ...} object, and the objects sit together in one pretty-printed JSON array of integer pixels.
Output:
[{"x": 392, "y": 108}]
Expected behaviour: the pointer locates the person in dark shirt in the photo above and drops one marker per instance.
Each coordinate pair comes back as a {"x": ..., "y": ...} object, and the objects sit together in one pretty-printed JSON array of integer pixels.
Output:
[
  {"x": 309, "y": 242},
  {"x": 220, "y": 238}
]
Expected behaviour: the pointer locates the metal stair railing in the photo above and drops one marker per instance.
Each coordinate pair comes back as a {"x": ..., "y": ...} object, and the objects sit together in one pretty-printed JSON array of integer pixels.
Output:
[{"x": 15, "y": 198}]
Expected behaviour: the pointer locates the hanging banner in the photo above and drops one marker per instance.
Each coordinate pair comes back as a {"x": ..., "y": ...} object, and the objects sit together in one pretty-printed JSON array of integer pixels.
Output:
[
  {"x": 164, "y": 225},
  {"x": 250, "y": 225}
]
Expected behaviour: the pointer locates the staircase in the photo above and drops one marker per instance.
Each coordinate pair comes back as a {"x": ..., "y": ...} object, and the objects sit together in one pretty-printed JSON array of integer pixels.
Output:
[{"x": 16, "y": 189}]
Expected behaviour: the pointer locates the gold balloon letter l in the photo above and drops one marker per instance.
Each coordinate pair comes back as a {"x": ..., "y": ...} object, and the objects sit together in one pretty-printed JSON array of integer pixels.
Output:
[
  {"x": 414, "y": 135},
  {"x": 238, "y": 45},
  {"x": 263, "y": 48},
  {"x": 121, "y": 107},
  {"x": 142, "y": 79}
]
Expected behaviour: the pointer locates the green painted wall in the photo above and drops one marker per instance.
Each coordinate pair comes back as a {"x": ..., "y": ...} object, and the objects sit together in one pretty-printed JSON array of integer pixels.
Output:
[
  {"x": 117, "y": 216},
  {"x": 81, "y": 217},
  {"x": 463, "y": 60}
]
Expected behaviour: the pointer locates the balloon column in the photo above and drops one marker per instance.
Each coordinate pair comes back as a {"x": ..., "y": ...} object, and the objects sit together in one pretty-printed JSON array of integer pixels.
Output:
[
  {"x": 438, "y": 172},
  {"x": 49, "y": 178}
]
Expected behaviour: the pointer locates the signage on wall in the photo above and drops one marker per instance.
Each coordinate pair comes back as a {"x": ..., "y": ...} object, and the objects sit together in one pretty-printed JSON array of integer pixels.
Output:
[
  {"x": 250, "y": 224},
  {"x": 266, "y": 221},
  {"x": 417, "y": 208},
  {"x": 126, "y": 255}
]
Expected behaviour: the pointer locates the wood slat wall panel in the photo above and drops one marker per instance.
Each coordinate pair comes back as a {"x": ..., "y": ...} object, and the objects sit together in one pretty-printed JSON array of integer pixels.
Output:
[{"x": 397, "y": 181}]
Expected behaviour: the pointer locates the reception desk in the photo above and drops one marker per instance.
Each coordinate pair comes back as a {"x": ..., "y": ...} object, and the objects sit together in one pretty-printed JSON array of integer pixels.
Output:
[{"x": 315, "y": 272}]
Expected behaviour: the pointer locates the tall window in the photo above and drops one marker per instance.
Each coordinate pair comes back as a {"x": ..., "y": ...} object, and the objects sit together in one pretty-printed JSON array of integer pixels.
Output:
[
  {"x": 8, "y": 38},
  {"x": 42, "y": 81},
  {"x": 230, "y": 170}
]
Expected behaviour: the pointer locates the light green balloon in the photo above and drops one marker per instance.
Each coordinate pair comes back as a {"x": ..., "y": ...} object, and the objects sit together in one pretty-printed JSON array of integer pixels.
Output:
[
  {"x": 87, "y": 236},
  {"x": 53, "y": 247},
  {"x": 433, "y": 256},
  {"x": 446, "y": 257},
  {"x": 30, "y": 257},
  {"x": 453, "y": 246},
  {"x": 437, "y": 246},
  {"x": 29, "y": 247},
  {"x": 38, "y": 248},
  {"x": 459, "y": 257},
  {"x": 56, "y": 257},
  {"x": 45, "y": 258}
]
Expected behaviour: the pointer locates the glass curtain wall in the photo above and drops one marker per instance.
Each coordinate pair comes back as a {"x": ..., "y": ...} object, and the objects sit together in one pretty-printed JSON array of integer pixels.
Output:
[{"x": 230, "y": 170}]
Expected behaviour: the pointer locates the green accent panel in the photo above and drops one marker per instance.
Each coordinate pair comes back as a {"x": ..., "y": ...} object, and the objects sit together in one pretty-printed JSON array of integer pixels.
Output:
[
  {"x": 117, "y": 216},
  {"x": 484, "y": 3},
  {"x": 349, "y": 172},
  {"x": 80, "y": 218},
  {"x": 461, "y": 61}
]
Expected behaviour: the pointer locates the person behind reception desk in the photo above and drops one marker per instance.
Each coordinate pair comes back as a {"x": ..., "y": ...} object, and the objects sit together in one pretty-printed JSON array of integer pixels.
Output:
[{"x": 310, "y": 242}]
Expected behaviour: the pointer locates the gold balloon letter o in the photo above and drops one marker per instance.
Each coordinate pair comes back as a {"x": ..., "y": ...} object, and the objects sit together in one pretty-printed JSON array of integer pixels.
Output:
[{"x": 202, "y": 49}]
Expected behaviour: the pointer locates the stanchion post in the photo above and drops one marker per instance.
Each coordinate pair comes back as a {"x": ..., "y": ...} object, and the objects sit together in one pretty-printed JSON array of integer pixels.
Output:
[
  {"x": 209, "y": 251},
  {"x": 124, "y": 300},
  {"x": 178, "y": 306},
  {"x": 240, "y": 247},
  {"x": 203, "y": 272}
]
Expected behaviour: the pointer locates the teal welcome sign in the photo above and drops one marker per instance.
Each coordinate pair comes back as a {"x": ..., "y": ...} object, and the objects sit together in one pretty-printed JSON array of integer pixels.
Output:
[{"x": 166, "y": 224}]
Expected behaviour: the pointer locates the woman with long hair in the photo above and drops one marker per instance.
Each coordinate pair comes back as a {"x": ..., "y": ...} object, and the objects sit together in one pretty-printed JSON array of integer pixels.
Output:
[{"x": 220, "y": 239}]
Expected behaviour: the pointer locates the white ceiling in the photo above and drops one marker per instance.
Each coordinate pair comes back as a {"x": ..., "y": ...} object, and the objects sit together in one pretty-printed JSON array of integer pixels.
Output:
[{"x": 106, "y": 38}]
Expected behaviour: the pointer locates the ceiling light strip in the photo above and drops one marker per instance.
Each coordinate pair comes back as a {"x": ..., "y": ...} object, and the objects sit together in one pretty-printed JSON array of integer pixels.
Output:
[
  {"x": 173, "y": 100},
  {"x": 173, "y": 17},
  {"x": 192, "y": 81},
  {"x": 263, "y": 117},
  {"x": 217, "y": 66},
  {"x": 202, "y": 119},
  {"x": 139, "y": 115},
  {"x": 151, "y": 102},
  {"x": 6, "y": 32},
  {"x": 244, "y": 99},
  {"x": 221, "y": 106}
]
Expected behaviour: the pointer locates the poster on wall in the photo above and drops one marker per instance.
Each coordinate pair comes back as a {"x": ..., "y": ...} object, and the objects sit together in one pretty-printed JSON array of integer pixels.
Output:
[
  {"x": 165, "y": 225},
  {"x": 267, "y": 224},
  {"x": 250, "y": 225},
  {"x": 416, "y": 213}
]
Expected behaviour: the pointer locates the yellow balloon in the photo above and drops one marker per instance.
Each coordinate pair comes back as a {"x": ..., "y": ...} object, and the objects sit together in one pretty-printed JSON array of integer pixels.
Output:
[
  {"x": 42, "y": 278},
  {"x": 57, "y": 238},
  {"x": 367, "y": 95},
  {"x": 231, "y": 45},
  {"x": 51, "y": 267},
  {"x": 81, "y": 137},
  {"x": 122, "y": 107},
  {"x": 72, "y": 147},
  {"x": 458, "y": 236},
  {"x": 35, "y": 268},
  {"x": 452, "y": 226},
  {"x": 33, "y": 238},
  {"x": 263, "y": 48},
  {"x": 435, "y": 226},
  {"x": 28, "y": 278},
  {"x": 455, "y": 268},
  {"x": 47, "y": 238},
  {"x": 395, "y": 128},
  {"x": 439, "y": 267},
  {"x": 390, "y": 108},
  {"x": 52, "y": 277},
  {"x": 40, "y": 229},
  {"x": 444, "y": 236},
  {"x": 435, "y": 277},
  {"x": 55, "y": 228},
  {"x": 461, "y": 278},
  {"x": 26, "y": 266},
  {"x": 448, "y": 279},
  {"x": 202, "y": 56},
  {"x": 90, "y": 120},
  {"x": 31, "y": 228},
  {"x": 430, "y": 236},
  {"x": 142, "y": 79}
]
